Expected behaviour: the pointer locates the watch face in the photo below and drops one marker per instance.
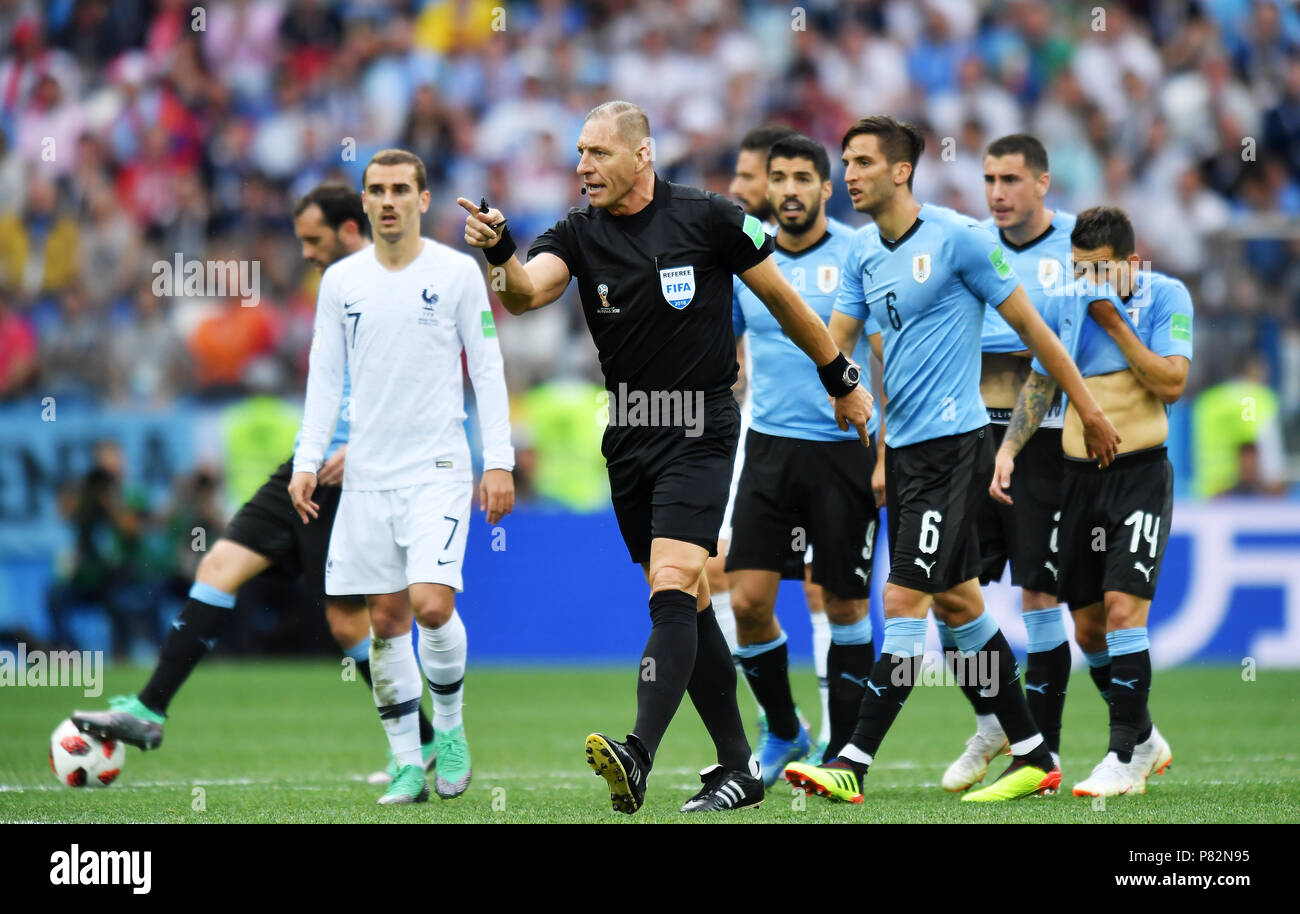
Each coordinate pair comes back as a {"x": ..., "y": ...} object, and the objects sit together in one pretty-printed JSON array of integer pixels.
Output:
[{"x": 852, "y": 374}]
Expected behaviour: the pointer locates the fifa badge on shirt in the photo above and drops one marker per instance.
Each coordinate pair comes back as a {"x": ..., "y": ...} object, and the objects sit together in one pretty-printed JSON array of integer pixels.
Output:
[
  {"x": 921, "y": 267},
  {"x": 828, "y": 278},
  {"x": 1049, "y": 272},
  {"x": 605, "y": 307},
  {"x": 677, "y": 285}
]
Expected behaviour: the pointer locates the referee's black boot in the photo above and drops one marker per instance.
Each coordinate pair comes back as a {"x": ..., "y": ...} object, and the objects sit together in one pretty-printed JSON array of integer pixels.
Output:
[
  {"x": 725, "y": 789},
  {"x": 623, "y": 769}
]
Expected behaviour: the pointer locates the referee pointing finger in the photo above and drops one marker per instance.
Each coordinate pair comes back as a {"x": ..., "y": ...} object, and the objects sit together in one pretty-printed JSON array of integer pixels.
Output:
[{"x": 654, "y": 263}]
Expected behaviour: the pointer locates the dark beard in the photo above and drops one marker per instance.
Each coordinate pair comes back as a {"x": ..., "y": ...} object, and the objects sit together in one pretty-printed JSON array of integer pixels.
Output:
[{"x": 799, "y": 228}]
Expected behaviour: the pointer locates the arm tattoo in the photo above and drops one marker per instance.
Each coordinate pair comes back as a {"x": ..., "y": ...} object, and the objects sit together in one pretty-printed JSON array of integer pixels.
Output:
[{"x": 1031, "y": 405}]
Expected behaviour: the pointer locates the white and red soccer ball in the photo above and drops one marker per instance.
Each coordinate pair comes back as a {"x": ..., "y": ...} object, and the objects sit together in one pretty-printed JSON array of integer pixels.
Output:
[{"x": 80, "y": 760}]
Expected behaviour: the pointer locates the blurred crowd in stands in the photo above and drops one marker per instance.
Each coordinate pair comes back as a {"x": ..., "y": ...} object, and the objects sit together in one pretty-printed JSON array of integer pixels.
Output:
[{"x": 134, "y": 131}]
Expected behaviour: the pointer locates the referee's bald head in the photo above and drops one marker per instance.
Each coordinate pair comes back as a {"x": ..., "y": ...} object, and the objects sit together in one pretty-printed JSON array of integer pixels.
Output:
[{"x": 630, "y": 121}]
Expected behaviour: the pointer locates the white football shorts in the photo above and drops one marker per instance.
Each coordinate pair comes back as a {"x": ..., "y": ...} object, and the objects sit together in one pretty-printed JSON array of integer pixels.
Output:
[{"x": 385, "y": 540}]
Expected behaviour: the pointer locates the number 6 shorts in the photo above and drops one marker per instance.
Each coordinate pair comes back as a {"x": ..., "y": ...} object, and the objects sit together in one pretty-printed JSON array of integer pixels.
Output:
[
  {"x": 386, "y": 540},
  {"x": 1114, "y": 526},
  {"x": 933, "y": 493}
]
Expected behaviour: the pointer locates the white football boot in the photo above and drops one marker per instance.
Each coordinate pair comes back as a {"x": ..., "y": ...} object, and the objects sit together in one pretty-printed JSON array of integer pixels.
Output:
[
  {"x": 973, "y": 764},
  {"x": 1112, "y": 778}
]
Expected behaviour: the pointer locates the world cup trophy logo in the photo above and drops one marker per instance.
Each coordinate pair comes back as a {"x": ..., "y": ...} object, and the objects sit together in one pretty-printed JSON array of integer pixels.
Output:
[{"x": 602, "y": 290}]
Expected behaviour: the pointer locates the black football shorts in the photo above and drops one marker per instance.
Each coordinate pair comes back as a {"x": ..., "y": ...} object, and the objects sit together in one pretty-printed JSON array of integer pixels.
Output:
[
  {"x": 268, "y": 524},
  {"x": 665, "y": 482},
  {"x": 1114, "y": 526},
  {"x": 934, "y": 490},
  {"x": 795, "y": 493},
  {"x": 1025, "y": 533}
]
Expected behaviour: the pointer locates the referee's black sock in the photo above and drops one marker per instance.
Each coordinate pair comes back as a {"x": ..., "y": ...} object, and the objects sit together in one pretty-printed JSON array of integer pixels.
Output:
[
  {"x": 713, "y": 692},
  {"x": 1130, "y": 686},
  {"x": 848, "y": 666},
  {"x": 426, "y": 726},
  {"x": 192, "y": 635},
  {"x": 666, "y": 665},
  {"x": 766, "y": 667}
]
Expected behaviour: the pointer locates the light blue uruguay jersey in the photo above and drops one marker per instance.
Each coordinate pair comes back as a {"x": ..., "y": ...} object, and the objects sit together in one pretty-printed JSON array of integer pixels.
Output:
[
  {"x": 341, "y": 429},
  {"x": 927, "y": 292},
  {"x": 788, "y": 399},
  {"x": 1042, "y": 266},
  {"x": 1159, "y": 311}
]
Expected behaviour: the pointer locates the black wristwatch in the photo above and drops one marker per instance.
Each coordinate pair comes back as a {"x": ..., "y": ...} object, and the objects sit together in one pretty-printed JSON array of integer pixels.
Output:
[{"x": 840, "y": 376}]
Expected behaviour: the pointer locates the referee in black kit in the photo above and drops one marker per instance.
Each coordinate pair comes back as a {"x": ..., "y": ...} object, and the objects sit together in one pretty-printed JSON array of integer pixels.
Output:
[{"x": 654, "y": 263}]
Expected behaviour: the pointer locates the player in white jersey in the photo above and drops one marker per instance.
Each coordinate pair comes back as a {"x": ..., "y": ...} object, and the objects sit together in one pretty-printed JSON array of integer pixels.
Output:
[
  {"x": 397, "y": 316},
  {"x": 749, "y": 188}
]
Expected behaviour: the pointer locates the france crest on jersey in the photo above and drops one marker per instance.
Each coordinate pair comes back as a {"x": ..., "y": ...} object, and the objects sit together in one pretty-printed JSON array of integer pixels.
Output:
[
  {"x": 927, "y": 291},
  {"x": 1043, "y": 265},
  {"x": 787, "y": 397}
]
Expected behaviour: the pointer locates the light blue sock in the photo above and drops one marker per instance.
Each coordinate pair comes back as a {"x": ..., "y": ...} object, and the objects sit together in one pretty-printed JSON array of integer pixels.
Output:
[
  {"x": 857, "y": 633},
  {"x": 753, "y": 650},
  {"x": 904, "y": 637},
  {"x": 1128, "y": 641},
  {"x": 359, "y": 651},
  {"x": 206, "y": 593},
  {"x": 945, "y": 636},
  {"x": 1101, "y": 658},
  {"x": 1046, "y": 629},
  {"x": 972, "y": 636}
]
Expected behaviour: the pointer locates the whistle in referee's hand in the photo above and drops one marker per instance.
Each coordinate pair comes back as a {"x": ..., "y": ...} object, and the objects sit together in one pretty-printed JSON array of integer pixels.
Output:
[{"x": 483, "y": 208}]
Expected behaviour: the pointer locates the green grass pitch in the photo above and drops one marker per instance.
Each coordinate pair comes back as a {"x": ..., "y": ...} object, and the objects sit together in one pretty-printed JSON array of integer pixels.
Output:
[{"x": 291, "y": 742}]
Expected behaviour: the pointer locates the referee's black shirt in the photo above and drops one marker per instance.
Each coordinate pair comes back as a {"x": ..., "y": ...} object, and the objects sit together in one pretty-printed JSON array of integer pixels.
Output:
[{"x": 656, "y": 286}]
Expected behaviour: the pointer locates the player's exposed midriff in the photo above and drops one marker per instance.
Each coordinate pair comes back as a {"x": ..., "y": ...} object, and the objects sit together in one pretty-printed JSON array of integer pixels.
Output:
[
  {"x": 1137, "y": 414},
  {"x": 1002, "y": 374}
]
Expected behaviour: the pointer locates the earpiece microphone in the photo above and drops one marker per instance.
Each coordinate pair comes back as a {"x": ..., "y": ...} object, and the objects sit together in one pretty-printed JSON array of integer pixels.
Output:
[{"x": 584, "y": 190}]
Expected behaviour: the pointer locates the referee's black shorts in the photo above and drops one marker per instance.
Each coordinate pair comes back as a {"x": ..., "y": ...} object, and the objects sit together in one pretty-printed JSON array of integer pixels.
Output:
[
  {"x": 934, "y": 490},
  {"x": 666, "y": 483},
  {"x": 795, "y": 493},
  {"x": 1025, "y": 533},
  {"x": 268, "y": 524}
]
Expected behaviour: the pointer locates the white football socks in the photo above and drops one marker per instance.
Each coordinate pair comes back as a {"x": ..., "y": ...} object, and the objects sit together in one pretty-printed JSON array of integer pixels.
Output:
[
  {"x": 442, "y": 654},
  {"x": 726, "y": 618},
  {"x": 821, "y": 631},
  {"x": 397, "y": 687}
]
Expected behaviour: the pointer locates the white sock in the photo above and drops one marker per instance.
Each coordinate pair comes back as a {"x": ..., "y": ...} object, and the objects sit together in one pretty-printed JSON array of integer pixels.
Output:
[
  {"x": 396, "y": 677},
  {"x": 726, "y": 618},
  {"x": 1026, "y": 746},
  {"x": 821, "y": 627},
  {"x": 854, "y": 754},
  {"x": 987, "y": 724},
  {"x": 442, "y": 654}
]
